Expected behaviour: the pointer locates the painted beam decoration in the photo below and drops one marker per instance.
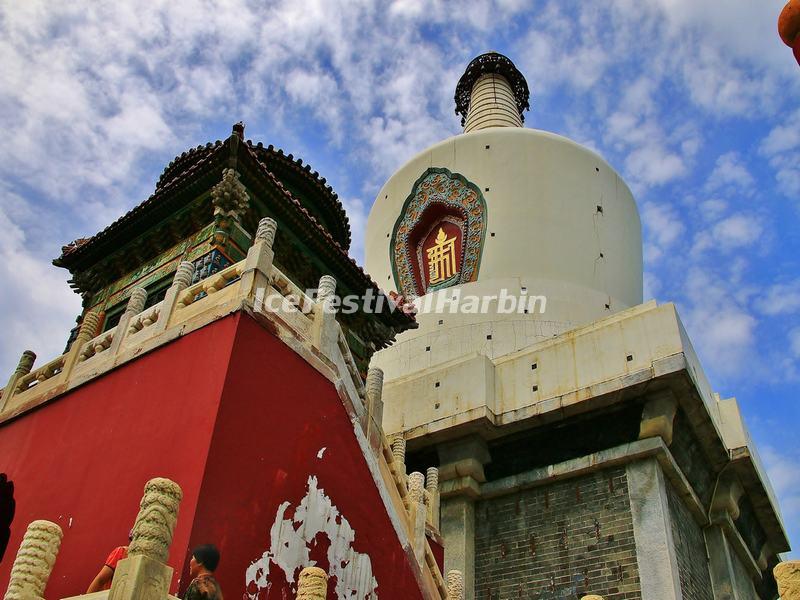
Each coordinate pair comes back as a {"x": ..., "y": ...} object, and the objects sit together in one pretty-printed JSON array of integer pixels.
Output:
[{"x": 438, "y": 239}]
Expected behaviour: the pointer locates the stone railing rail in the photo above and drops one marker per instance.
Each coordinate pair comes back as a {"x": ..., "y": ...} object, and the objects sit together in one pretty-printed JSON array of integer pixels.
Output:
[
  {"x": 418, "y": 504},
  {"x": 97, "y": 345},
  {"x": 286, "y": 287},
  {"x": 51, "y": 369},
  {"x": 350, "y": 363},
  {"x": 144, "y": 319},
  {"x": 210, "y": 285}
]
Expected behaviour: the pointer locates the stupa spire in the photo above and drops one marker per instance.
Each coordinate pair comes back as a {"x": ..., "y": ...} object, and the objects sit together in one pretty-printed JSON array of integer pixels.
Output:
[{"x": 491, "y": 93}]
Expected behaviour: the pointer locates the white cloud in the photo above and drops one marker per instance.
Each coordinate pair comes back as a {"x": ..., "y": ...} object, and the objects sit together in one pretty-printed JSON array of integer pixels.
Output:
[
  {"x": 38, "y": 307},
  {"x": 732, "y": 233},
  {"x": 662, "y": 229},
  {"x": 794, "y": 341},
  {"x": 718, "y": 322},
  {"x": 652, "y": 286},
  {"x": 737, "y": 231},
  {"x": 783, "y": 137},
  {"x": 357, "y": 213},
  {"x": 713, "y": 208},
  {"x": 783, "y": 469},
  {"x": 780, "y": 299},
  {"x": 782, "y": 148},
  {"x": 730, "y": 172},
  {"x": 654, "y": 165}
]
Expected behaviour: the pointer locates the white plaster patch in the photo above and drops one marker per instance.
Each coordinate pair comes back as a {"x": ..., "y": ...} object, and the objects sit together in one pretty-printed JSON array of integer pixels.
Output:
[
  {"x": 291, "y": 538},
  {"x": 321, "y": 451}
]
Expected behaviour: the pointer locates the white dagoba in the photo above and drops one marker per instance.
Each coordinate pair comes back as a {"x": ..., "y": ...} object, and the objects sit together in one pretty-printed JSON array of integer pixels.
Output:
[{"x": 559, "y": 223}]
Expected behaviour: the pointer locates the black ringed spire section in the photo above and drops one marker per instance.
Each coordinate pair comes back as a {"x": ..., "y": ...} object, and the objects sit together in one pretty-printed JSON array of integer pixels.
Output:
[{"x": 485, "y": 64}]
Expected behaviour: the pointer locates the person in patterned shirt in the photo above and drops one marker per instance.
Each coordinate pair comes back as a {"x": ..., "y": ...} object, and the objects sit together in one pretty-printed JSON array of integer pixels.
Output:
[
  {"x": 103, "y": 579},
  {"x": 201, "y": 568}
]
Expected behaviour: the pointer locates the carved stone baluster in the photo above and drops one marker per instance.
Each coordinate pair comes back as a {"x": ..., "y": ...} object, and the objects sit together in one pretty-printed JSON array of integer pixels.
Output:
[
  {"x": 34, "y": 562},
  {"x": 136, "y": 302},
  {"x": 312, "y": 584},
  {"x": 325, "y": 332},
  {"x": 374, "y": 417},
  {"x": 455, "y": 585},
  {"x": 398, "y": 444},
  {"x": 418, "y": 514},
  {"x": 182, "y": 280},
  {"x": 144, "y": 575},
  {"x": 432, "y": 487},
  {"x": 258, "y": 264},
  {"x": 24, "y": 367},
  {"x": 89, "y": 326}
]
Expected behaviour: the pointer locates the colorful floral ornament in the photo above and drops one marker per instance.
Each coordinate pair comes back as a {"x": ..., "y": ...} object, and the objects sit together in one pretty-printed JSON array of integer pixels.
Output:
[{"x": 437, "y": 198}]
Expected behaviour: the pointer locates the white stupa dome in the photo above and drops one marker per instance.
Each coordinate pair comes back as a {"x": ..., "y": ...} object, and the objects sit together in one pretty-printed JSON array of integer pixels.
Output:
[{"x": 516, "y": 211}]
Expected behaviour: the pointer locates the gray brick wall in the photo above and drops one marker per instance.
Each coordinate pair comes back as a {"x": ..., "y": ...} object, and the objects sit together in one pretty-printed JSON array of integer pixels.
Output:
[
  {"x": 558, "y": 541},
  {"x": 743, "y": 582},
  {"x": 690, "y": 550}
]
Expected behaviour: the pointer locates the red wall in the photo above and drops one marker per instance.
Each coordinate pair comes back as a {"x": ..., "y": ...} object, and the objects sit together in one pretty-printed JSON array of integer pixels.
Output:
[
  {"x": 231, "y": 414},
  {"x": 82, "y": 460},
  {"x": 276, "y": 414}
]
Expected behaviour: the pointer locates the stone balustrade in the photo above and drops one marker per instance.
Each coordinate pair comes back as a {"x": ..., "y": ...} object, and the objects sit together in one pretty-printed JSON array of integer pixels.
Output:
[
  {"x": 144, "y": 319},
  {"x": 98, "y": 344},
  {"x": 210, "y": 285},
  {"x": 40, "y": 375},
  {"x": 185, "y": 307}
]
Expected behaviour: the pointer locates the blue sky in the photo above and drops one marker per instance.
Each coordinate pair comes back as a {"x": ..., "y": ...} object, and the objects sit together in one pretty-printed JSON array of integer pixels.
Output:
[{"x": 695, "y": 103}]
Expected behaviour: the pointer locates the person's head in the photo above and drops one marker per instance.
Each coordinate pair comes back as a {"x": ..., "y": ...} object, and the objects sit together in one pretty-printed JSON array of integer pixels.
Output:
[{"x": 205, "y": 557}]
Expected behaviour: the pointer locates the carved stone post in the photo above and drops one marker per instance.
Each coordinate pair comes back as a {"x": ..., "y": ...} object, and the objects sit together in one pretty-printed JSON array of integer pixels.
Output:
[
  {"x": 312, "y": 584},
  {"x": 182, "y": 280},
  {"x": 327, "y": 287},
  {"x": 418, "y": 514},
  {"x": 398, "y": 444},
  {"x": 34, "y": 562},
  {"x": 144, "y": 574},
  {"x": 374, "y": 417},
  {"x": 89, "y": 326},
  {"x": 258, "y": 264},
  {"x": 23, "y": 368},
  {"x": 325, "y": 330},
  {"x": 455, "y": 585},
  {"x": 432, "y": 487},
  {"x": 787, "y": 575},
  {"x": 136, "y": 302}
]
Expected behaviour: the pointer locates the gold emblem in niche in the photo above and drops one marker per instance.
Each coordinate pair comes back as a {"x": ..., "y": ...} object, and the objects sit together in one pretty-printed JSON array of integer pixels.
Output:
[{"x": 441, "y": 258}]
